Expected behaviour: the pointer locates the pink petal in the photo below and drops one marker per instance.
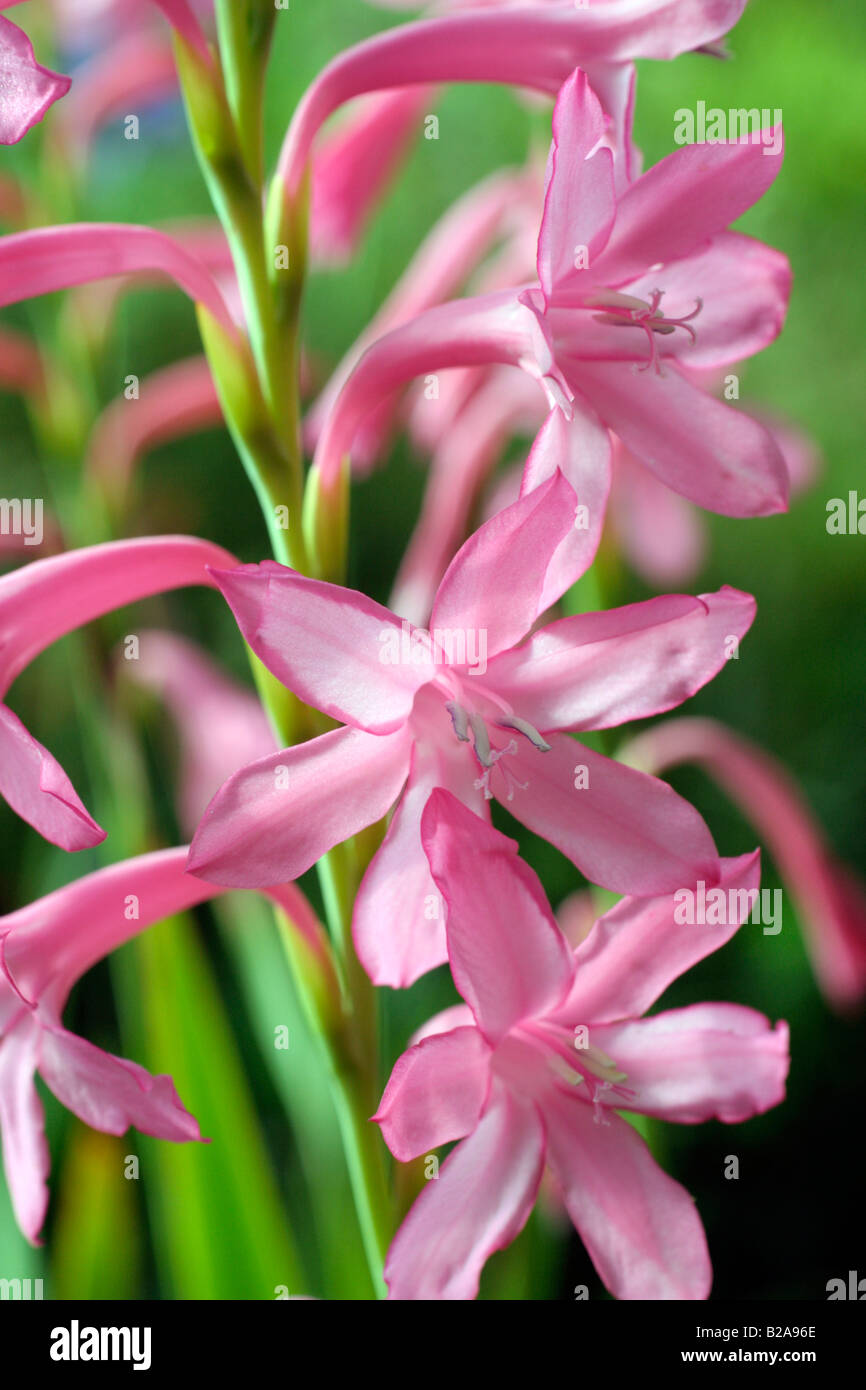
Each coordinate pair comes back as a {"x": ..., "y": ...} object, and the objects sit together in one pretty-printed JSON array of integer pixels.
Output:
[
  {"x": 182, "y": 19},
  {"x": 678, "y": 204},
  {"x": 50, "y": 943},
  {"x": 831, "y": 900},
  {"x": 614, "y": 85},
  {"x": 581, "y": 448},
  {"x": 509, "y": 959},
  {"x": 638, "y": 948},
  {"x": 44, "y": 600},
  {"x": 353, "y": 167},
  {"x": 711, "y": 453},
  {"x": 528, "y": 47},
  {"x": 743, "y": 287},
  {"x": 641, "y": 1229},
  {"x": 436, "y": 1093},
  {"x": 598, "y": 670},
  {"x": 659, "y": 534},
  {"x": 710, "y": 1061},
  {"x": 467, "y": 452},
  {"x": 334, "y": 647},
  {"x": 628, "y": 833},
  {"x": 480, "y": 1201},
  {"x": 579, "y": 204},
  {"x": 22, "y": 1124},
  {"x": 28, "y": 88},
  {"x": 39, "y": 791},
  {"x": 55, "y": 258},
  {"x": 473, "y": 332},
  {"x": 455, "y": 1016},
  {"x": 520, "y": 542},
  {"x": 398, "y": 922},
  {"x": 274, "y": 819},
  {"x": 109, "y": 1093},
  {"x": 449, "y": 253}
]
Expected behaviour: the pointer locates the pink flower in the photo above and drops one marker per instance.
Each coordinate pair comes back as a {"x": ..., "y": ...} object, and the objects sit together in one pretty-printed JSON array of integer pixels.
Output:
[
  {"x": 472, "y": 707},
  {"x": 44, "y": 948},
  {"x": 531, "y": 46},
  {"x": 28, "y": 89},
  {"x": 549, "y": 1045},
  {"x": 831, "y": 899},
  {"x": 594, "y": 331},
  {"x": 443, "y": 261},
  {"x": 41, "y": 602}
]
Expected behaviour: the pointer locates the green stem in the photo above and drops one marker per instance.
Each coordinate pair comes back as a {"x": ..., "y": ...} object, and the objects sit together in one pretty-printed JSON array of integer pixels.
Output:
[{"x": 262, "y": 406}]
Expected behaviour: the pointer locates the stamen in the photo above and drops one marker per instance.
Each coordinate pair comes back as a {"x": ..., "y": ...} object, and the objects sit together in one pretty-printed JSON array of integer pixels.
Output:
[
  {"x": 460, "y": 720},
  {"x": 482, "y": 740},
  {"x": 528, "y": 730},
  {"x": 482, "y": 783},
  {"x": 624, "y": 311}
]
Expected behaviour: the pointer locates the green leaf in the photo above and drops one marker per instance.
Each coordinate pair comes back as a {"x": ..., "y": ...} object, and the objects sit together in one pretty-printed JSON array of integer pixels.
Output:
[{"x": 219, "y": 1226}]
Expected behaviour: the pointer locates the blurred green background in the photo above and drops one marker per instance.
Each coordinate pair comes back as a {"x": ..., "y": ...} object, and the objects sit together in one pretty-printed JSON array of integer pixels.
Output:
[{"x": 266, "y": 1204}]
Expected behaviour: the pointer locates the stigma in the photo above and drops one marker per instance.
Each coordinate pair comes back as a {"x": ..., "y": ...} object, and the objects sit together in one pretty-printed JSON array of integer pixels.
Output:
[{"x": 626, "y": 311}]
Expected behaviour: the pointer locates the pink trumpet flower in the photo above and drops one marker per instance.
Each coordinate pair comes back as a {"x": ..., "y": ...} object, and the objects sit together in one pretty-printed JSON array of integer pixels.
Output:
[
  {"x": 40, "y": 603},
  {"x": 470, "y": 706},
  {"x": 533, "y": 1069},
  {"x": 44, "y": 949},
  {"x": 446, "y": 257},
  {"x": 594, "y": 331},
  {"x": 535, "y": 47},
  {"x": 831, "y": 899},
  {"x": 27, "y": 89},
  {"x": 221, "y": 725}
]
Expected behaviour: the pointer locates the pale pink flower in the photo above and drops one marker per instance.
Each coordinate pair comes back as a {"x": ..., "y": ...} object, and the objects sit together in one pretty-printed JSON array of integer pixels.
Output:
[
  {"x": 27, "y": 89},
  {"x": 44, "y": 948},
  {"x": 593, "y": 331},
  {"x": 41, "y": 602},
  {"x": 470, "y": 706},
  {"x": 830, "y": 897},
  {"x": 531, "y": 46},
  {"x": 549, "y": 1045},
  {"x": 444, "y": 260}
]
